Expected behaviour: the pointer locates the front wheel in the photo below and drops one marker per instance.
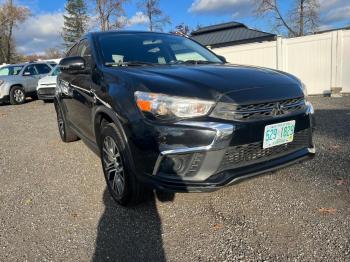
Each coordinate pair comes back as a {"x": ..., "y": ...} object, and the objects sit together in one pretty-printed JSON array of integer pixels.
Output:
[
  {"x": 121, "y": 181},
  {"x": 17, "y": 95}
]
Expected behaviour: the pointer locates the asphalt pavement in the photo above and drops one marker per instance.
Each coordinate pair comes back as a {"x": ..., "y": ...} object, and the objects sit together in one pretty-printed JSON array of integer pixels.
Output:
[{"x": 54, "y": 205}]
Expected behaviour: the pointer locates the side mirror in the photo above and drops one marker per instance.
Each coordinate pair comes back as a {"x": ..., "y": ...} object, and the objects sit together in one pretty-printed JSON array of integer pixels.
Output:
[
  {"x": 222, "y": 58},
  {"x": 27, "y": 73},
  {"x": 73, "y": 64}
]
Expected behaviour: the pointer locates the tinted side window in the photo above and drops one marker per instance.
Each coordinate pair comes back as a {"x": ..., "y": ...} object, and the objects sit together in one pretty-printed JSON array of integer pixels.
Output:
[
  {"x": 43, "y": 69},
  {"x": 31, "y": 70}
]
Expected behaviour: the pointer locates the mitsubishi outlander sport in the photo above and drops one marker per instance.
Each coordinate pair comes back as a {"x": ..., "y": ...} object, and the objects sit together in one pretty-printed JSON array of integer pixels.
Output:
[{"x": 164, "y": 112}]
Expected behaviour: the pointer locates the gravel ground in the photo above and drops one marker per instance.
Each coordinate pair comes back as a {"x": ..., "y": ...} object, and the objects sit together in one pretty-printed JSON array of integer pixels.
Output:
[{"x": 54, "y": 205}]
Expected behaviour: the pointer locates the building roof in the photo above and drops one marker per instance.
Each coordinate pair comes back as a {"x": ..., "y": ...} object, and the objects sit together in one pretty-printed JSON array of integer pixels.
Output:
[
  {"x": 229, "y": 34},
  {"x": 333, "y": 29}
]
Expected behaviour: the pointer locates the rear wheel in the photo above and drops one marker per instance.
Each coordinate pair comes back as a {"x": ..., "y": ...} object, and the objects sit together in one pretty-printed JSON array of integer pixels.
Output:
[
  {"x": 121, "y": 181},
  {"x": 17, "y": 95},
  {"x": 66, "y": 133}
]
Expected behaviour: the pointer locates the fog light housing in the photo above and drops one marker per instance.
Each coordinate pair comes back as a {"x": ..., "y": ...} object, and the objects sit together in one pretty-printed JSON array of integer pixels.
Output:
[{"x": 185, "y": 165}]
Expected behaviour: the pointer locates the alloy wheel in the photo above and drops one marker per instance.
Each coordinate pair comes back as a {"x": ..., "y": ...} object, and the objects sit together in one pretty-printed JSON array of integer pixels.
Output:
[
  {"x": 18, "y": 95},
  {"x": 113, "y": 166}
]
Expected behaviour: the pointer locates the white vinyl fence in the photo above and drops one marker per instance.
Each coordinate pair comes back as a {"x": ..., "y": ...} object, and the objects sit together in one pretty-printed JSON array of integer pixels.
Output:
[{"x": 321, "y": 61}]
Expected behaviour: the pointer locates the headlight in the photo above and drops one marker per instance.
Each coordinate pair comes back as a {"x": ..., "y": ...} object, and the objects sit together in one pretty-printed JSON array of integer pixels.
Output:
[
  {"x": 166, "y": 107},
  {"x": 1, "y": 82}
]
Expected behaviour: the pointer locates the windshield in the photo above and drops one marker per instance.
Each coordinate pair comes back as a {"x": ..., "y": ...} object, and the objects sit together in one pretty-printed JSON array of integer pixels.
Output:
[
  {"x": 55, "y": 71},
  {"x": 10, "y": 70},
  {"x": 152, "y": 49}
]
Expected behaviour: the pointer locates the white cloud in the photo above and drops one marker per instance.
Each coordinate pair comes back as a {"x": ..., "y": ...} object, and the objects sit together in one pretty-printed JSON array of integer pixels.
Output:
[
  {"x": 39, "y": 33},
  {"x": 334, "y": 11},
  {"x": 339, "y": 14},
  {"x": 138, "y": 19},
  {"x": 237, "y": 8}
]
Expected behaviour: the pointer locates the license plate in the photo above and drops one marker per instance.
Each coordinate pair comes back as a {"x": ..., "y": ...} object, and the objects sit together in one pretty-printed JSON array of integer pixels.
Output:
[{"x": 278, "y": 134}]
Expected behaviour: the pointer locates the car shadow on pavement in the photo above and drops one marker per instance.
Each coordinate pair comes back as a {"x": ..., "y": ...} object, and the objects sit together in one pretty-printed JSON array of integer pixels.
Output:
[
  {"x": 129, "y": 234},
  {"x": 28, "y": 100}
]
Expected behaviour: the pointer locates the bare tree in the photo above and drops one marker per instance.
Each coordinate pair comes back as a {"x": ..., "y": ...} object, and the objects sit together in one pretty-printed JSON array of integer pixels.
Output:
[
  {"x": 110, "y": 14},
  {"x": 3, "y": 22},
  {"x": 53, "y": 53},
  {"x": 301, "y": 19},
  {"x": 11, "y": 16},
  {"x": 181, "y": 29},
  {"x": 156, "y": 17}
]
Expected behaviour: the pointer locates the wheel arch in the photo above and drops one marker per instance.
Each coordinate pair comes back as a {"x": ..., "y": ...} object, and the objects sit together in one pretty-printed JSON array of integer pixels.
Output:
[
  {"x": 14, "y": 85},
  {"x": 102, "y": 113},
  {"x": 107, "y": 114}
]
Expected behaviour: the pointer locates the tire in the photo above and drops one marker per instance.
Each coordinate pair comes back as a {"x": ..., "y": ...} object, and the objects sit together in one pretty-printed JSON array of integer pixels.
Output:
[
  {"x": 66, "y": 133},
  {"x": 122, "y": 182},
  {"x": 17, "y": 95},
  {"x": 164, "y": 196},
  {"x": 34, "y": 97}
]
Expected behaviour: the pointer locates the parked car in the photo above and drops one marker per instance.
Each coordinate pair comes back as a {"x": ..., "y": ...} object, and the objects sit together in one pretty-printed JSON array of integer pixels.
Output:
[
  {"x": 165, "y": 112},
  {"x": 47, "y": 86},
  {"x": 19, "y": 81}
]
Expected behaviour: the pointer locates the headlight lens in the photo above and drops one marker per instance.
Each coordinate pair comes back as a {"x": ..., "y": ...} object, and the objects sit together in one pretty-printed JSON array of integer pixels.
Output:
[{"x": 166, "y": 107}]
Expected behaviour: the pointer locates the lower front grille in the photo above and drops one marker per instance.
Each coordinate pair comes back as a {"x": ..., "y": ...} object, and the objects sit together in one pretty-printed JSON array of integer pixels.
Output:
[
  {"x": 46, "y": 91},
  {"x": 242, "y": 155}
]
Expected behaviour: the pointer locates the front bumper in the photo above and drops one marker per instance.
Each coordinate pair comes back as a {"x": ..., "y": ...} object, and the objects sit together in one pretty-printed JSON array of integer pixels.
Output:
[
  {"x": 209, "y": 144},
  {"x": 47, "y": 93},
  {"x": 230, "y": 177}
]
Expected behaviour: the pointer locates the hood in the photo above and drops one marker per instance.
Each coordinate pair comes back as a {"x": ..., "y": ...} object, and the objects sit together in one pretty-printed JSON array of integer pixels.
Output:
[
  {"x": 227, "y": 83},
  {"x": 48, "y": 80}
]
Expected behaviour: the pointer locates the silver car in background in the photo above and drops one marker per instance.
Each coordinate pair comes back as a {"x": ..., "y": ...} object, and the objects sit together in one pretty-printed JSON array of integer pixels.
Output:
[
  {"x": 47, "y": 86},
  {"x": 20, "y": 81}
]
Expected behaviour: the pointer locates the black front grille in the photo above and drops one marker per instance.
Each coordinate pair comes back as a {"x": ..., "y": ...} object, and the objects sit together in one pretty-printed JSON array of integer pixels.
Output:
[
  {"x": 242, "y": 155},
  {"x": 257, "y": 111},
  {"x": 46, "y": 91}
]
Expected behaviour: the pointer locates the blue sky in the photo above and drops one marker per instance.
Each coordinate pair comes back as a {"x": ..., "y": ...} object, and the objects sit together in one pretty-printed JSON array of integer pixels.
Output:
[{"x": 42, "y": 30}]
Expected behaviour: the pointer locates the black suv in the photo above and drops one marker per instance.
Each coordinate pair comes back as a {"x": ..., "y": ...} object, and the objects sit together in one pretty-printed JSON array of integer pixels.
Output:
[{"x": 164, "y": 112}]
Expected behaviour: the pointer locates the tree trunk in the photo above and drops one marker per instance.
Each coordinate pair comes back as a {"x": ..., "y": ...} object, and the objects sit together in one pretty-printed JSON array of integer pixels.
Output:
[
  {"x": 9, "y": 44},
  {"x": 149, "y": 13},
  {"x": 301, "y": 21}
]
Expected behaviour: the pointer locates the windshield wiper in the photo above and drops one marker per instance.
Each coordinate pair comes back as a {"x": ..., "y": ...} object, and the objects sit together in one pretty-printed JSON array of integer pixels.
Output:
[
  {"x": 130, "y": 63},
  {"x": 193, "y": 62}
]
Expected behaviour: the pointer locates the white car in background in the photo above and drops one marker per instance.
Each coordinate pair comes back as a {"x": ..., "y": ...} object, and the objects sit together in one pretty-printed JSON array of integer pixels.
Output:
[{"x": 47, "y": 86}]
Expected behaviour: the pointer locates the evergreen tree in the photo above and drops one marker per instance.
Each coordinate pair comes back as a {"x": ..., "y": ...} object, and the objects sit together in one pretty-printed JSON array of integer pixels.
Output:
[{"x": 75, "y": 21}]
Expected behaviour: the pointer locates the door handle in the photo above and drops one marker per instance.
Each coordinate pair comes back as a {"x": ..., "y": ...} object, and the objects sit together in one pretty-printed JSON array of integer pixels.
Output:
[{"x": 93, "y": 94}]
